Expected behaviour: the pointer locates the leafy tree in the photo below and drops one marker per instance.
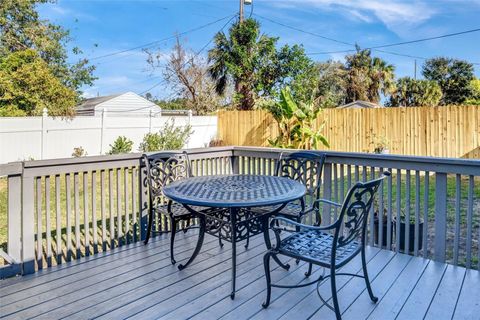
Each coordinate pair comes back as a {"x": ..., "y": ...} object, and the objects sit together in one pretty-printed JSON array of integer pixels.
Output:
[
  {"x": 296, "y": 123},
  {"x": 250, "y": 62},
  {"x": 453, "y": 76},
  {"x": 475, "y": 89},
  {"x": 415, "y": 93},
  {"x": 21, "y": 29},
  {"x": 186, "y": 73},
  {"x": 121, "y": 145},
  {"x": 331, "y": 84},
  {"x": 367, "y": 77},
  {"x": 168, "y": 138},
  {"x": 27, "y": 86},
  {"x": 173, "y": 104}
]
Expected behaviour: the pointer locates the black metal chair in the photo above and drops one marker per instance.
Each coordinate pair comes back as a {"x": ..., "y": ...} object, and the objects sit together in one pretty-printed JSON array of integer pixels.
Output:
[
  {"x": 330, "y": 246},
  {"x": 305, "y": 167},
  {"x": 161, "y": 170}
]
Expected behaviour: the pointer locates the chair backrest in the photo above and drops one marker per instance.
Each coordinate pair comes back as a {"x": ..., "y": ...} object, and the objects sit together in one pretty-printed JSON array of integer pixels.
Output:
[
  {"x": 352, "y": 221},
  {"x": 305, "y": 167},
  {"x": 163, "y": 169}
]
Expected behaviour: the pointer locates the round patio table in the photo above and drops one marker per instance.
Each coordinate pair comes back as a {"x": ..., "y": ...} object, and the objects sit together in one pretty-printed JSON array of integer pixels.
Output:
[{"x": 228, "y": 199}]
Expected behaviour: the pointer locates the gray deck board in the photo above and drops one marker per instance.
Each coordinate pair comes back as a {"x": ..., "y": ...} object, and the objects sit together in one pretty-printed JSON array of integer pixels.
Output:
[
  {"x": 416, "y": 306},
  {"x": 444, "y": 302},
  {"x": 138, "y": 282},
  {"x": 468, "y": 305}
]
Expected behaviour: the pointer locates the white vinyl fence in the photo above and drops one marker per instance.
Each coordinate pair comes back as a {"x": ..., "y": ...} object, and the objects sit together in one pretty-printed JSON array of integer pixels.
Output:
[{"x": 45, "y": 137}]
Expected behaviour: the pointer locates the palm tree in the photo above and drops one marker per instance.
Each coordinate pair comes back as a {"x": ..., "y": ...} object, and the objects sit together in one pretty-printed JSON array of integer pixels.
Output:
[
  {"x": 233, "y": 60},
  {"x": 382, "y": 79}
]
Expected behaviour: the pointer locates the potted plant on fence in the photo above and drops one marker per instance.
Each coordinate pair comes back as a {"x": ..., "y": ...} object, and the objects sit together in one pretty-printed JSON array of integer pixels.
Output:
[
  {"x": 380, "y": 144},
  {"x": 411, "y": 232}
]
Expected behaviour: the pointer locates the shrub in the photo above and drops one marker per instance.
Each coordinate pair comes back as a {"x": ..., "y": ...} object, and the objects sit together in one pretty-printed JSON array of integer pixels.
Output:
[
  {"x": 168, "y": 138},
  {"x": 121, "y": 145},
  {"x": 79, "y": 152}
]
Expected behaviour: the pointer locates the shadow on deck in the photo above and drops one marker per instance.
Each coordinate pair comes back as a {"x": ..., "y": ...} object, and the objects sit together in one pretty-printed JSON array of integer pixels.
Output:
[{"x": 138, "y": 281}]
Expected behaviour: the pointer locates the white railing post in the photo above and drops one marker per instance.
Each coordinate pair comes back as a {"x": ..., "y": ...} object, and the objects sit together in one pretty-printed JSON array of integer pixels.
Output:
[
  {"x": 102, "y": 133},
  {"x": 44, "y": 132}
]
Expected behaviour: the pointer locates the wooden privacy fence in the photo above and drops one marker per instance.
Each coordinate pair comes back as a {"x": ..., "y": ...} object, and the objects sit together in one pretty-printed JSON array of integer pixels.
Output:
[{"x": 452, "y": 132}]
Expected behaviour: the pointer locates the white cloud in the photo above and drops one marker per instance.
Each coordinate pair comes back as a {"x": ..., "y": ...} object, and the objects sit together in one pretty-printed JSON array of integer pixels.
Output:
[{"x": 395, "y": 15}]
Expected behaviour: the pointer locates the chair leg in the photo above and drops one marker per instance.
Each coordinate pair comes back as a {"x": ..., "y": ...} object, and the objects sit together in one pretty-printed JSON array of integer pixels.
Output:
[
  {"x": 266, "y": 265},
  {"x": 149, "y": 227},
  {"x": 367, "y": 279},
  {"x": 334, "y": 294},
  {"x": 173, "y": 231},
  {"x": 309, "y": 272},
  {"x": 220, "y": 240},
  {"x": 248, "y": 240}
]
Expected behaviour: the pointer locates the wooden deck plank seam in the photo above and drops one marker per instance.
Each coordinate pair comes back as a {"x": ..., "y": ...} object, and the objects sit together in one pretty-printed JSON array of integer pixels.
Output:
[
  {"x": 373, "y": 284},
  {"x": 213, "y": 243},
  {"x": 225, "y": 260},
  {"x": 413, "y": 289},
  {"x": 458, "y": 296},
  {"x": 338, "y": 290},
  {"x": 85, "y": 271},
  {"x": 359, "y": 269}
]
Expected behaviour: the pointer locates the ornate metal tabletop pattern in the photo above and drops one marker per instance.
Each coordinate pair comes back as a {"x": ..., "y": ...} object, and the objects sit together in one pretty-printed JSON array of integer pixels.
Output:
[{"x": 234, "y": 191}]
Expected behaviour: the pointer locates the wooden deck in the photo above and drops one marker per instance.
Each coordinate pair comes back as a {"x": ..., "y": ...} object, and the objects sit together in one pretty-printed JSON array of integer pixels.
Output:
[{"x": 138, "y": 282}]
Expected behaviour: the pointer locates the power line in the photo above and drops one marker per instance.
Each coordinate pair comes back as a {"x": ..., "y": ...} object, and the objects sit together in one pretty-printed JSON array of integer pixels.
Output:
[
  {"x": 304, "y": 31},
  {"x": 375, "y": 48},
  {"x": 161, "y": 40},
  {"x": 193, "y": 57}
]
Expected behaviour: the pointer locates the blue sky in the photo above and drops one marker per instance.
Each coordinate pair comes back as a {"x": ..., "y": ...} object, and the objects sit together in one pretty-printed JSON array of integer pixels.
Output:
[{"x": 102, "y": 27}]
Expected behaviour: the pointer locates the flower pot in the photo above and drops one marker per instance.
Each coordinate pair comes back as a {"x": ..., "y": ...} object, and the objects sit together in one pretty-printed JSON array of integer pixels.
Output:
[
  {"x": 411, "y": 236},
  {"x": 384, "y": 231}
]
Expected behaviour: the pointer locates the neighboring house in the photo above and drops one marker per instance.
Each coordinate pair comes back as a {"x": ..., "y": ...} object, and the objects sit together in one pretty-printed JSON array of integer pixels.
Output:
[
  {"x": 125, "y": 104},
  {"x": 360, "y": 104}
]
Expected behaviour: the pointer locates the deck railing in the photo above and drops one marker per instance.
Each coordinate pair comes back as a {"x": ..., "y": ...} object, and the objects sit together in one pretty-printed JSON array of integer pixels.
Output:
[{"x": 64, "y": 209}]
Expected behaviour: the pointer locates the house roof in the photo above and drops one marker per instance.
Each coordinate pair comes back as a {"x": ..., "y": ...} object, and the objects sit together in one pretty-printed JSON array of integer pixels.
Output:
[
  {"x": 360, "y": 104},
  {"x": 91, "y": 103}
]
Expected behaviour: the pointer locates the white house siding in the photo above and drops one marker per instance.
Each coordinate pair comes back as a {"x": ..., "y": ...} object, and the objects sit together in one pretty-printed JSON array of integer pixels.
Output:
[{"x": 129, "y": 103}]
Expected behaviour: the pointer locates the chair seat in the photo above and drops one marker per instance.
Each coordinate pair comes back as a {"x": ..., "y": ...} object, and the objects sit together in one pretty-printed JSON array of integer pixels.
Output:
[
  {"x": 316, "y": 246},
  {"x": 178, "y": 210}
]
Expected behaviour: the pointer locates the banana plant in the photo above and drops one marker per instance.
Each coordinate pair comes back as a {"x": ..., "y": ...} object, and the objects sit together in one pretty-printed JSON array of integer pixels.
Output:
[{"x": 296, "y": 123}]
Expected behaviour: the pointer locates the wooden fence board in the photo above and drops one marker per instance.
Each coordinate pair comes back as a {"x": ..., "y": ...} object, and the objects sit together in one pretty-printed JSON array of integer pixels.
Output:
[{"x": 424, "y": 131}]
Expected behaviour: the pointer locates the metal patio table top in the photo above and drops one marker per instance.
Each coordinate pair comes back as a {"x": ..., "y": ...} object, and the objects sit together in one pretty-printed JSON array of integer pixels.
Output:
[
  {"x": 230, "y": 196},
  {"x": 235, "y": 191}
]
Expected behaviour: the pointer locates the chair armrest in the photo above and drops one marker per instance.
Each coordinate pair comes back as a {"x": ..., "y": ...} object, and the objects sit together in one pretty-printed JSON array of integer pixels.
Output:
[{"x": 336, "y": 204}]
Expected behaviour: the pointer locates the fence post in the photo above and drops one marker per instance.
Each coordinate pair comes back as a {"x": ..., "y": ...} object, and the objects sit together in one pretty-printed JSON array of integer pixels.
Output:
[
  {"x": 143, "y": 199},
  {"x": 150, "y": 123},
  {"x": 440, "y": 216},
  {"x": 327, "y": 192},
  {"x": 28, "y": 224},
  {"x": 102, "y": 133},
  {"x": 190, "y": 115},
  {"x": 44, "y": 132},
  {"x": 14, "y": 229}
]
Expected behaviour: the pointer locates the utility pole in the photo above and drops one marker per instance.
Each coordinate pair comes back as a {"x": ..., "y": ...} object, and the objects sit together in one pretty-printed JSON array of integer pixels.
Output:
[{"x": 241, "y": 10}]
